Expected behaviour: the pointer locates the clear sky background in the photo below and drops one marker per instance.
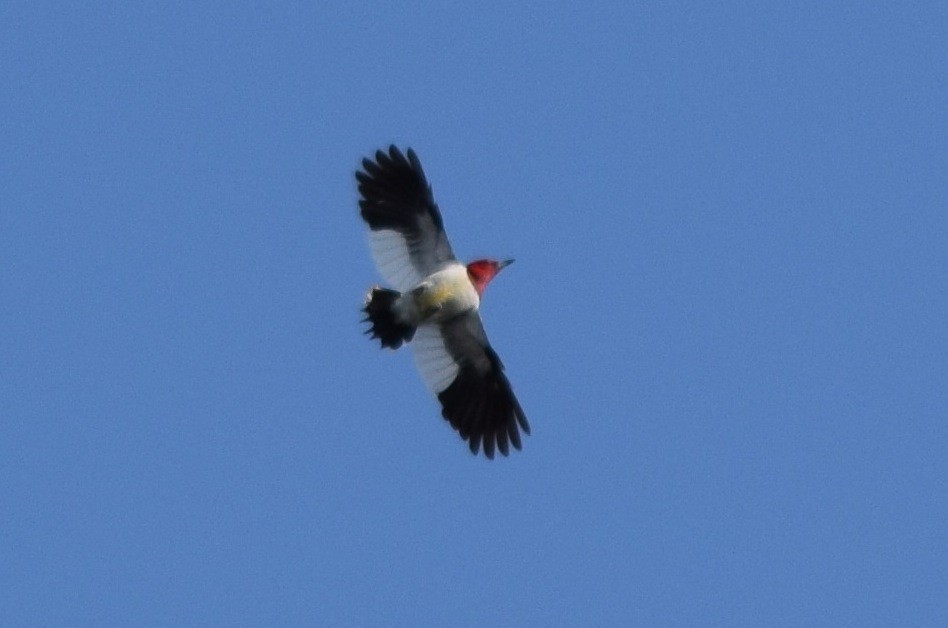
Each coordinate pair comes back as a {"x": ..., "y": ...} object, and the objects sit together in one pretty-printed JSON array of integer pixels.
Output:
[{"x": 726, "y": 323}]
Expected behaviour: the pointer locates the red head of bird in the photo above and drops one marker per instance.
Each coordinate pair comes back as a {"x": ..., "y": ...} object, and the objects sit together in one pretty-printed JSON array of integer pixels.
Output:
[{"x": 481, "y": 272}]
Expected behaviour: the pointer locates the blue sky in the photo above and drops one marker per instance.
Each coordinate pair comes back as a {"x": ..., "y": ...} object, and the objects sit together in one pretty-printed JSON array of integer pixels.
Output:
[{"x": 726, "y": 322}]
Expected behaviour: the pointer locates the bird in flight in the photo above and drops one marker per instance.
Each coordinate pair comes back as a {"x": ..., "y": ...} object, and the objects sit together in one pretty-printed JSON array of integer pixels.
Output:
[{"x": 434, "y": 303}]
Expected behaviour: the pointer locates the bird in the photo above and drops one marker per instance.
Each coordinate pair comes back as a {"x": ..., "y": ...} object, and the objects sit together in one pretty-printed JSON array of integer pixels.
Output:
[{"x": 433, "y": 304}]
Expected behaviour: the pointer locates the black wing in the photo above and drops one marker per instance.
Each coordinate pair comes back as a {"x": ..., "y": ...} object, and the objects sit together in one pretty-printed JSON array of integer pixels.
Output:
[
  {"x": 407, "y": 235},
  {"x": 459, "y": 365}
]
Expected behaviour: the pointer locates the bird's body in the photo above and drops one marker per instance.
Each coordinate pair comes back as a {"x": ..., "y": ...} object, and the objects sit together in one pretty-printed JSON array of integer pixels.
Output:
[
  {"x": 435, "y": 303},
  {"x": 440, "y": 296}
]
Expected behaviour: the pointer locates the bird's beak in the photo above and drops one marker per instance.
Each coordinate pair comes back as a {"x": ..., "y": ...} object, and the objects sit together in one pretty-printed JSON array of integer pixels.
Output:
[{"x": 504, "y": 264}]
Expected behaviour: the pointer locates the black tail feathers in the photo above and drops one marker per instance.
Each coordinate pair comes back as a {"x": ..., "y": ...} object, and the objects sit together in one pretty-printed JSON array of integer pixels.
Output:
[{"x": 384, "y": 324}]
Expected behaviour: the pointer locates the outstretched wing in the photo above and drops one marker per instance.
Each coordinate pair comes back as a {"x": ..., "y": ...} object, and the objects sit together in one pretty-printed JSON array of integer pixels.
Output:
[
  {"x": 461, "y": 369},
  {"x": 406, "y": 236}
]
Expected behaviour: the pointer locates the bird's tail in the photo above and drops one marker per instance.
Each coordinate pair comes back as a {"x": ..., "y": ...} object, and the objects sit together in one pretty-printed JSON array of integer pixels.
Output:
[{"x": 385, "y": 326}]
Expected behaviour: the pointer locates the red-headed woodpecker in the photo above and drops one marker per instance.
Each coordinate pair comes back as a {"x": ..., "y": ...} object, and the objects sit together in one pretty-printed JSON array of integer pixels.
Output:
[{"x": 435, "y": 303}]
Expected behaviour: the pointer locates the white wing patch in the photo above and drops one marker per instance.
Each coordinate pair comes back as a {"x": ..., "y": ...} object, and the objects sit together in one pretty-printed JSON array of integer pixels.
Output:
[
  {"x": 393, "y": 260},
  {"x": 436, "y": 365}
]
